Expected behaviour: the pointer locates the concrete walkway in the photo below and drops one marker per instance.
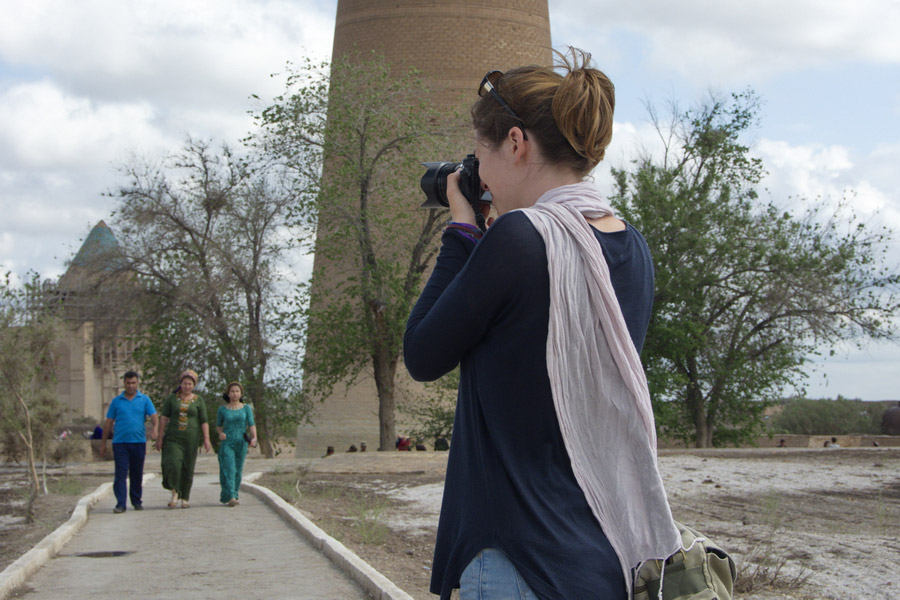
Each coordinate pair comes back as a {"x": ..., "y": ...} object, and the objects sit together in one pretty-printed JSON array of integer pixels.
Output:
[{"x": 206, "y": 551}]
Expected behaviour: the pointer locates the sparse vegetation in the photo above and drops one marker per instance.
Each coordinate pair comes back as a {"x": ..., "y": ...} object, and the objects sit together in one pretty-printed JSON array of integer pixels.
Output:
[
  {"x": 66, "y": 486},
  {"x": 762, "y": 569},
  {"x": 369, "y": 510},
  {"x": 771, "y": 512}
]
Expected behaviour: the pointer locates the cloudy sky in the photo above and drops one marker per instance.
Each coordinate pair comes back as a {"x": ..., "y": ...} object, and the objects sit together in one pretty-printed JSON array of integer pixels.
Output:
[{"x": 84, "y": 85}]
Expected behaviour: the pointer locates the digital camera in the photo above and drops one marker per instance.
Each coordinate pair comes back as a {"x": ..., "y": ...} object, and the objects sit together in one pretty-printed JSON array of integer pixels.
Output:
[{"x": 434, "y": 183}]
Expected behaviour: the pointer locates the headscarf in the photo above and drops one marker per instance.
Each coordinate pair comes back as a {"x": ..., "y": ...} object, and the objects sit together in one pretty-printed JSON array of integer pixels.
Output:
[
  {"x": 598, "y": 384},
  {"x": 190, "y": 373},
  {"x": 226, "y": 397}
]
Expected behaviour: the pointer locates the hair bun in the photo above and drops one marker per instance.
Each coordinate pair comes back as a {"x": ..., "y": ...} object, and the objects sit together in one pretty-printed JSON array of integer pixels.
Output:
[{"x": 583, "y": 105}]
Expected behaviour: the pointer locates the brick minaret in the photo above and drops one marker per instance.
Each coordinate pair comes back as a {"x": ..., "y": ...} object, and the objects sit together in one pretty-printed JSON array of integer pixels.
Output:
[{"x": 453, "y": 43}]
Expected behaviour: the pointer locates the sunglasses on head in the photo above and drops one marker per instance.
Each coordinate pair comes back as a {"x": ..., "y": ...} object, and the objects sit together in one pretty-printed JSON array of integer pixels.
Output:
[{"x": 488, "y": 86}]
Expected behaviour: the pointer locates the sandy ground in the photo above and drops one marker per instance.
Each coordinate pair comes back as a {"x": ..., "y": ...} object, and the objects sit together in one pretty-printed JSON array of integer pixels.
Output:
[{"x": 802, "y": 524}]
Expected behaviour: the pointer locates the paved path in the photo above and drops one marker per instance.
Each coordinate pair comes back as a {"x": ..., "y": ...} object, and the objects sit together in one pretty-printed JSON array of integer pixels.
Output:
[{"x": 206, "y": 551}]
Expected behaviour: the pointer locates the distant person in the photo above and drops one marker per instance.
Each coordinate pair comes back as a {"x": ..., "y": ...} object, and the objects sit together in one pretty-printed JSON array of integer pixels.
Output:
[
  {"x": 834, "y": 443},
  {"x": 352, "y": 448},
  {"x": 362, "y": 446},
  {"x": 403, "y": 444},
  {"x": 781, "y": 443},
  {"x": 328, "y": 451},
  {"x": 233, "y": 422},
  {"x": 126, "y": 418},
  {"x": 98, "y": 432},
  {"x": 184, "y": 426}
]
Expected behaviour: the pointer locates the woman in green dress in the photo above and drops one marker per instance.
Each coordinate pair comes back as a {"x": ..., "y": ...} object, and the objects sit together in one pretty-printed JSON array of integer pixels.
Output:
[
  {"x": 183, "y": 421},
  {"x": 232, "y": 422}
]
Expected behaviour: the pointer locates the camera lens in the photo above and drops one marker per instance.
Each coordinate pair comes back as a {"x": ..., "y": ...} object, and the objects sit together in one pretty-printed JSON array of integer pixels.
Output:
[{"x": 434, "y": 183}]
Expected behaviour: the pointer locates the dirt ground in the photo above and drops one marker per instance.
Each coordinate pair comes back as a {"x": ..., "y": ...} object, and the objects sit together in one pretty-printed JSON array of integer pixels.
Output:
[
  {"x": 802, "y": 524},
  {"x": 51, "y": 511}
]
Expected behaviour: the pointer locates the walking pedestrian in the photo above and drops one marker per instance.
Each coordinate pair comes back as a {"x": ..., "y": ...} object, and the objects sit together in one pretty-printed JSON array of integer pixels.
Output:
[
  {"x": 233, "y": 421},
  {"x": 126, "y": 418},
  {"x": 184, "y": 424}
]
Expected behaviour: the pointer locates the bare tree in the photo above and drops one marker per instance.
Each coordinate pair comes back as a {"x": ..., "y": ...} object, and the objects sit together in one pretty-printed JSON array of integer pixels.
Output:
[
  {"x": 28, "y": 406},
  {"x": 205, "y": 234}
]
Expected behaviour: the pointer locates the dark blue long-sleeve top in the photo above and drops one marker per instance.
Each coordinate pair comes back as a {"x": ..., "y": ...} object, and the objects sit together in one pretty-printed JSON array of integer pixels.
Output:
[{"x": 509, "y": 482}]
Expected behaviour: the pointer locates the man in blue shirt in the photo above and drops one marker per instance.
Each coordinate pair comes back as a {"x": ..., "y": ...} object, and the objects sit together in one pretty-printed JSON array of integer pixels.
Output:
[{"x": 128, "y": 412}]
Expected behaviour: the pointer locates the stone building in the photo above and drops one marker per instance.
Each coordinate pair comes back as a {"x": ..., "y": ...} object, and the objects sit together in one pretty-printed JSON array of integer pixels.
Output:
[
  {"x": 452, "y": 44},
  {"x": 93, "y": 353}
]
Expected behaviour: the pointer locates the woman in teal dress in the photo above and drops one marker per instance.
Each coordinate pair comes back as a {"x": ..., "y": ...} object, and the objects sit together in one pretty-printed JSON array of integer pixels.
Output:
[
  {"x": 232, "y": 422},
  {"x": 183, "y": 421}
]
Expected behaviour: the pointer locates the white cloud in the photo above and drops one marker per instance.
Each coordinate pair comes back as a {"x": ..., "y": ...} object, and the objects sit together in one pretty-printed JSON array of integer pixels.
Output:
[
  {"x": 191, "y": 51},
  {"x": 44, "y": 127},
  {"x": 731, "y": 42},
  {"x": 806, "y": 170},
  {"x": 817, "y": 173},
  {"x": 85, "y": 85}
]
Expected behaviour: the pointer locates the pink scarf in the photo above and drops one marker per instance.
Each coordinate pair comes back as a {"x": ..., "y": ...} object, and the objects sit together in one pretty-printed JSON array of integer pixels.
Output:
[{"x": 598, "y": 383}]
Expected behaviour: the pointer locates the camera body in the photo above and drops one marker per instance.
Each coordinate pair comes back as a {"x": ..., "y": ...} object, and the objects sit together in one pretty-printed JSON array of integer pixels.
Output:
[{"x": 434, "y": 183}]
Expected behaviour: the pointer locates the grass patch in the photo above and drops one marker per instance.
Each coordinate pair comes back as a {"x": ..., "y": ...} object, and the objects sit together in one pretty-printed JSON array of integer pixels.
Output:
[
  {"x": 367, "y": 512},
  {"x": 771, "y": 509},
  {"x": 288, "y": 489},
  {"x": 65, "y": 486}
]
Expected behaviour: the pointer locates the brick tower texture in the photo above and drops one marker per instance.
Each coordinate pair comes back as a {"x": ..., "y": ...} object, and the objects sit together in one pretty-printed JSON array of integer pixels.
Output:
[{"x": 452, "y": 44}]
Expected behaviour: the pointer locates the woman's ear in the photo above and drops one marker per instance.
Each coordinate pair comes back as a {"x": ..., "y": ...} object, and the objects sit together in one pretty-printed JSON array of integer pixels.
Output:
[{"x": 519, "y": 143}]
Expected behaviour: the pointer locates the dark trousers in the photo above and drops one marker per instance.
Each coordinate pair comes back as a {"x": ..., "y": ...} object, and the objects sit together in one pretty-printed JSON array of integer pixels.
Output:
[{"x": 129, "y": 459}]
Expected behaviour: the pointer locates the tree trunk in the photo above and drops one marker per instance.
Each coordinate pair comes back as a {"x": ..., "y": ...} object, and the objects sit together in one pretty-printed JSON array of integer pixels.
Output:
[
  {"x": 257, "y": 393},
  {"x": 265, "y": 445},
  {"x": 35, "y": 483},
  {"x": 44, "y": 470},
  {"x": 385, "y": 369},
  {"x": 697, "y": 408}
]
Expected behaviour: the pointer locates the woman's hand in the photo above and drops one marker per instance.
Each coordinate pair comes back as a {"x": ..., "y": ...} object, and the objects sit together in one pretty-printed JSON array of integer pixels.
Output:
[
  {"x": 460, "y": 209},
  {"x": 222, "y": 436},
  {"x": 158, "y": 443},
  {"x": 253, "y": 442},
  {"x": 207, "y": 445}
]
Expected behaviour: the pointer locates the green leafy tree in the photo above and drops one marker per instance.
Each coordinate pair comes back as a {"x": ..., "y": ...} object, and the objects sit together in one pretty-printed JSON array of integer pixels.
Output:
[
  {"x": 204, "y": 235},
  {"x": 370, "y": 128},
  {"x": 29, "y": 409},
  {"x": 745, "y": 293}
]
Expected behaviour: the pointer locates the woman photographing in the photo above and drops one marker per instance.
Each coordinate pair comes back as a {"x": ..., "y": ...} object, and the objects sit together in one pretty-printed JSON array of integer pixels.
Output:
[
  {"x": 184, "y": 425},
  {"x": 552, "y": 488}
]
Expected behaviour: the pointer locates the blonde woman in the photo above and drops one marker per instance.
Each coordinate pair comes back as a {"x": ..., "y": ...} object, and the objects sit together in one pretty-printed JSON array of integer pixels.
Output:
[
  {"x": 233, "y": 421},
  {"x": 184, "y": 425}
]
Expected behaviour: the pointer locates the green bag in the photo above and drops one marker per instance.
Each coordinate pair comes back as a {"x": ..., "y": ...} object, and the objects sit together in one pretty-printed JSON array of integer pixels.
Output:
[{"x": 701, "y": 570}]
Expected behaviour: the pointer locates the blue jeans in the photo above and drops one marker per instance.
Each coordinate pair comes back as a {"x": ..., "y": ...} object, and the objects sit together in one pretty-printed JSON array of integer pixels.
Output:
[
  {"x": 129, "y": 458},
  {"x": 491, "y": 576}
]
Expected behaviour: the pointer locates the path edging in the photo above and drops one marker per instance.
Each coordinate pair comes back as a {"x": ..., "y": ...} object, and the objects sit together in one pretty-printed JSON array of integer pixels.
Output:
[
  {"x": 18, "y": 572},
  {"x": 376, "y": 584}
]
